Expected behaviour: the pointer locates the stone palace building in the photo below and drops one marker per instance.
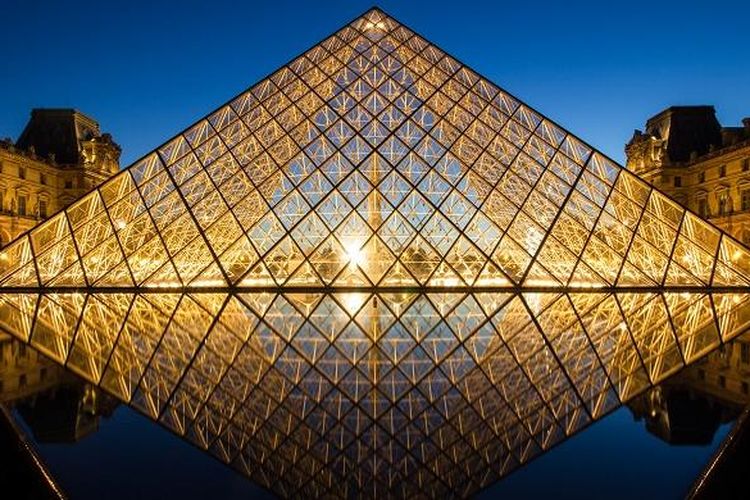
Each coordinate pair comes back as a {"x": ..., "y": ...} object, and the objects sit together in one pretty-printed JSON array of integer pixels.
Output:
[
  {"x": 686, "y": 153},
  {"x": 59, "y": 156}
]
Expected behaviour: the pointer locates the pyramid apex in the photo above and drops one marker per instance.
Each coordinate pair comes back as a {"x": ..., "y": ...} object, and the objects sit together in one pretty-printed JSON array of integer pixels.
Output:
[
  {"x": 375, "y": 18},
  {"x": 374, "y": 9}
]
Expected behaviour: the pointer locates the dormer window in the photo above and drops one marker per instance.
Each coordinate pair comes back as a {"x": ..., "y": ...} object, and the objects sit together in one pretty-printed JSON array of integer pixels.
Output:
[{"x": 722, "y": 170}]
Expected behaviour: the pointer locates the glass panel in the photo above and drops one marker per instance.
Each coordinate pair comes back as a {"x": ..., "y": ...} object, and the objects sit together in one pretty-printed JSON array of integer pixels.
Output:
[{"x": 374, "y": 265}]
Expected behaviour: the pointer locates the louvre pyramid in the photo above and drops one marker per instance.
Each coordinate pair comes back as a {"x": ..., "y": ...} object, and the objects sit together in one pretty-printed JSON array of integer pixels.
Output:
[{"x": 375, "y": 273}]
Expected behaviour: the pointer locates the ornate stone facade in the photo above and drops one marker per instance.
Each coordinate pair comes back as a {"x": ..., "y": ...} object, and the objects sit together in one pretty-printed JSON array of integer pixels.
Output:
[
  {"x": 687, "y": 154},
  {"x": 689, "y": 407},
  {"x": 60, "y": 155}
]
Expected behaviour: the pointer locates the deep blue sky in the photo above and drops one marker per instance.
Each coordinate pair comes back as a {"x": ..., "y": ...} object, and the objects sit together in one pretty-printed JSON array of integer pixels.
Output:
[{"x": 146, "y": 70}]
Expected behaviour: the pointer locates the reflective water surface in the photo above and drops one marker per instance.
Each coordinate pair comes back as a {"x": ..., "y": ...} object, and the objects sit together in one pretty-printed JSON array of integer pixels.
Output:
[
  {"x": 94, "y": 446},
  {"x": 400, "y": 393}
]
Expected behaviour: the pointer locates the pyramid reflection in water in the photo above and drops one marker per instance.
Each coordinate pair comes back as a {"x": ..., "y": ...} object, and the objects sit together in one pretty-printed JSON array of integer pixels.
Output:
[{"x": 375, "y": 272}]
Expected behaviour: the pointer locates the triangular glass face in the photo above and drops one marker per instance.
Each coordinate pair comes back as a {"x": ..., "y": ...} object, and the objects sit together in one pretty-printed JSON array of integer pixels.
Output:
[
  {"x": 375, "y": 272},
  {"x": 375, "y": 159}
]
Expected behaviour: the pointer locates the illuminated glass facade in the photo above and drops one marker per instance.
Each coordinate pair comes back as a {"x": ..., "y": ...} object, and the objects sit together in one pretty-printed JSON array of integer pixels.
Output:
[{"x": 375, "y": 272}]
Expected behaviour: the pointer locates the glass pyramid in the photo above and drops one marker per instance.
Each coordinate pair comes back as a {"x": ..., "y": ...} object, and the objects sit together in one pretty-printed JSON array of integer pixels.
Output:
[{"x": 375, "y": 273}]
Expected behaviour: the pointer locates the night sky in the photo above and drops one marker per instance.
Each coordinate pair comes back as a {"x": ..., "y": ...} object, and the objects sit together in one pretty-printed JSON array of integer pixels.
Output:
[{"x": 146, "y": 70}]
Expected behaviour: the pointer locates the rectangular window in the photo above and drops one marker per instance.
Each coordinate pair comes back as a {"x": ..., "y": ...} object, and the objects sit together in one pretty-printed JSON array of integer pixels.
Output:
[
  {"x": 745, "y": 165},
  {"x": 21, "y": 205},
  {"x": 2, "y": 201},
  {"x": 677, "y": 181},
  {"x": 703, "y": 207},
  {"x": 68, "y": 183},
  {"x": 21, "y": 173},
  {"x": 722, "y": 381},
  {"x": 745, "y": 353},
  {"x": 724, "y": 204},
  {"x": 745, "y": 199},
  {"x": 43, "y": 209},
  {"x": 701, "y": 177},
  {"x": 43, "y": 179},
  {"x": 722, "y": 170}
]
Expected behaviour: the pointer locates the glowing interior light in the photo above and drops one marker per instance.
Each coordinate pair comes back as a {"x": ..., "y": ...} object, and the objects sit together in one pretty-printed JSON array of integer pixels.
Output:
[
  {"x": 540, "y": 282},
  {"x": 161, "y": 285},
  {"x": 448, "y": 282},
  {"x": 353, "y": 302},
  {"x": 121, "y": 224},
  {"x": 354, "y": 253},
  {"x": 208, "y": 282},
  {"x": 380, "y": 25}
]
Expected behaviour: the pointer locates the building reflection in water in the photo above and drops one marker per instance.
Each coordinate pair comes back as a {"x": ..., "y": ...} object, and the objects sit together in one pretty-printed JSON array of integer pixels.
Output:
[
  {"x": 56, "y": 405},
  {"x": 399, "y": 393},
  {"x": 686, "y": 409},
  {"x": 689, "y": 407}
]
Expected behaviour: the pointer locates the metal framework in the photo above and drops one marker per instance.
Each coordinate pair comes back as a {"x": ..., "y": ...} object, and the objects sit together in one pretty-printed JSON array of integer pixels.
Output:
[{"x": 374, "y": 273}]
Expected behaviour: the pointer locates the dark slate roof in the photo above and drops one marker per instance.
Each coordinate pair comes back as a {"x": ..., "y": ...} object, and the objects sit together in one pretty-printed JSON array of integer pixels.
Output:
[
  {"x": 57, "y": 132},
  {"x": 687, "y": 129}
]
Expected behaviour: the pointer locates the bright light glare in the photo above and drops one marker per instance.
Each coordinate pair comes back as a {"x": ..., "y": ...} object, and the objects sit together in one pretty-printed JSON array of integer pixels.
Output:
[
  {"x": 353, "y": 302},
  {"x": 354, "y": 253}
]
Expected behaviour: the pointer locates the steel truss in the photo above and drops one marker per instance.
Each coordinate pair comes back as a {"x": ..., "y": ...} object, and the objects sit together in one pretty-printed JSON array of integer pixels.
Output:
[{"x": 375, "y": 273}]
